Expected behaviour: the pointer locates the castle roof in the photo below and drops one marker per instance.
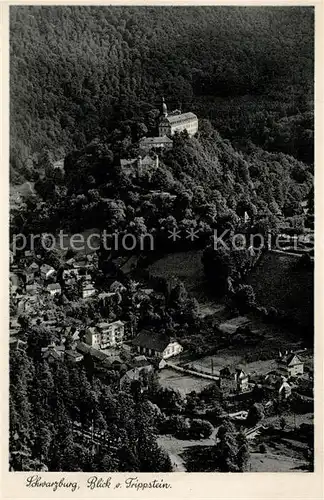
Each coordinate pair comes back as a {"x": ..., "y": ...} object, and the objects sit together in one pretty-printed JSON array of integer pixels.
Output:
[{"x": 173, "y": 119}]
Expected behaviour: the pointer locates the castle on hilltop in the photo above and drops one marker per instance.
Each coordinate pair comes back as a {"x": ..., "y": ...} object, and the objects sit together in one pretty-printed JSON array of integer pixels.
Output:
[{"x": 169, "y": 123}]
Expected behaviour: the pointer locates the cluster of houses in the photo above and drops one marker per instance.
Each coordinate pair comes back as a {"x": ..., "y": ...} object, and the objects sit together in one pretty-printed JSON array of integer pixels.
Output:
[
  {"x": 30, "y": 276},
  {"x": 106, "y": 341},
  {"x": 277, "y": 382}
]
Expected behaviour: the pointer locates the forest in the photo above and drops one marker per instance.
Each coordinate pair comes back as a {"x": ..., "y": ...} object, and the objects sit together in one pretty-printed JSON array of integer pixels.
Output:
[
  {"x": 78, "y": 73},
  {"x": 202, "y": 183}
]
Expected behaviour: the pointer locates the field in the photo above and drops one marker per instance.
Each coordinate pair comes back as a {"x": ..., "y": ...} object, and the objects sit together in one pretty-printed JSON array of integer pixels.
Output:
[
  {"x": 187, "y": 266},
  {"x": 233, "y": 360},
  {"x": 284, "y": 453},
  {"x": 183, "y": 383},
  {"x": 270, "y": 462},
  {"x": 78, "y": 244},
  {"x": 278, "y": 283}
]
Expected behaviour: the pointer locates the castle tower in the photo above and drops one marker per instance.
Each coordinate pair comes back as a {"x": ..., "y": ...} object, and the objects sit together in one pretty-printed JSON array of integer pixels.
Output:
[{"x": 164, "y": 109}]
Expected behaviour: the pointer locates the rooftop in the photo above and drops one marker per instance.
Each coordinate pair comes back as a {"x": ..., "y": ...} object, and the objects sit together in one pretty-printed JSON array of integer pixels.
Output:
[
  {"x": 73, "y": 354},
  {"x": 181, "y": 118},
  {"x": 88, "y": 286},
  {"x": 290, "y": 359},
  {"x": 47, "y": 267},
  {"x": 54, "y": 286},
  {"x": 152, "y": 340},
  {"x": 156, "y": 140}
]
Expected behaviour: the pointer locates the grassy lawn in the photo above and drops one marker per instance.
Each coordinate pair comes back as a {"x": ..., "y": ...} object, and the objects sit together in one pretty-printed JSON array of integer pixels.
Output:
[
  {"x": 260, "y": 462},
  {"x": 78, "y": 245},
  {"x": 183, "y": 383},
  {"x": 283, "y": 453},
  {"x": 186, "y": 266},
  {"x": 234, "y": 360}
]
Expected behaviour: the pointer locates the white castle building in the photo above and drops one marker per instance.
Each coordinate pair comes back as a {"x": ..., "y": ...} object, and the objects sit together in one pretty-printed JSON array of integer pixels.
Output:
[{"x": 176, "y": 122}]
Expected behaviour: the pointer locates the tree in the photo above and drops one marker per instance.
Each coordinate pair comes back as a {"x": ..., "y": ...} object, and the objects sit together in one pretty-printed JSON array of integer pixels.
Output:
[
  {"x": 227, "y": 448},
  {"x": 243, "y": 453},
  {"x": 200, "y": 429},
  {"x": 244, "y": 298},
  {"x": 283, "y": 423},
  {"x": 255, "y": 414}
]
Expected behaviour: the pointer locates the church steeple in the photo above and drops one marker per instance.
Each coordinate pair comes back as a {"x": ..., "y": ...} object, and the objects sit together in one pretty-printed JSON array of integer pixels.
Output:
[{"x": 164, "y": 109}]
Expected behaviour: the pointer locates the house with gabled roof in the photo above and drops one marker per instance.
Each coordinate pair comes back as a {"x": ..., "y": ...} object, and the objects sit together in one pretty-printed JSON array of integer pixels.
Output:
[
  {"x": 32, "y": 289},
  {"x": 290, "y": 365},
  {"x": 54, "y": 289},
  {"x": 154, "y": 344},
  {"x": 46, "y": 271},
  {"x": 242, "y": 380},
  {"x": 276, "y": 384},
  {"x": 73, "y": 356},
  {"x": 88, "y": 290},
  {"x": 53, "y": 352},
  {"x": 138, "y": 375}
]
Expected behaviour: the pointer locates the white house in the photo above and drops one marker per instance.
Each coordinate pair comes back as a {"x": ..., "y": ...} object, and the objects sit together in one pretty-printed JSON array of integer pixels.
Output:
[
  {"x": 87, "y": 290},
  {"x": 105, "y": 335},
  {"x": 242, "y": 380},
  {"x": 46, "y": 271},
  {"x": 54, "y": 289},
  {"x": 290, "y": 365}
]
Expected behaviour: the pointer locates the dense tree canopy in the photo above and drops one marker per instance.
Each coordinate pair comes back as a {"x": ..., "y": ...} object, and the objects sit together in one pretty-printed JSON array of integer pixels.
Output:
[{"x": 81, "y": 72}]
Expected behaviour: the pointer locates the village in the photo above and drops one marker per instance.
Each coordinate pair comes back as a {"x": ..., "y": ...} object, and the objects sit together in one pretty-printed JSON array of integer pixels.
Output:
[{"x": 121, "y": 353}]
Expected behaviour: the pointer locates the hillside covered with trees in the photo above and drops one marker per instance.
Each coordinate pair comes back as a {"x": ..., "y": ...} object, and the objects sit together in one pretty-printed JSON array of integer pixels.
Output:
[{"x": 77, "y": 73}]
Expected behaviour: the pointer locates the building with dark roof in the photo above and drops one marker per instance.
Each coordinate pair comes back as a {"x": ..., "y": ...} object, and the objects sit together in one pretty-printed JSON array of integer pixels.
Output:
[
  {"x": 157, "y": 345},
  {"x": 53, "y": 352},
  {"x": 73, "y": 356},
  {"x": 163, "y": 142}
]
